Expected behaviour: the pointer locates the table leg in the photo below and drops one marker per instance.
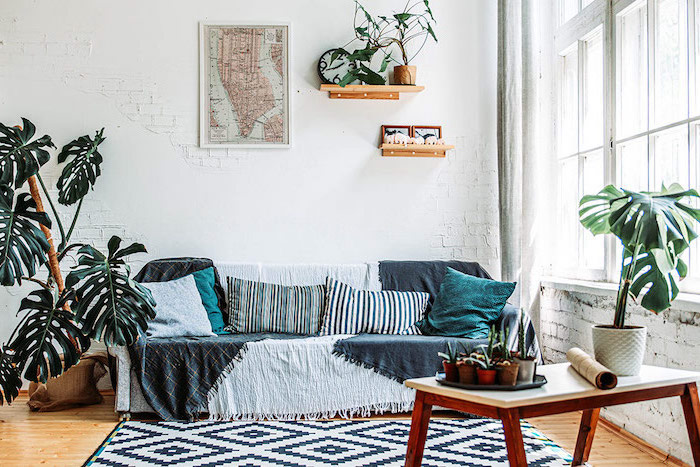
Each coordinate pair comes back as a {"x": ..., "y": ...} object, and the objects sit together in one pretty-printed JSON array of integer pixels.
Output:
[
  {"x": 586, "y": 432},
  {"x": 419, "y": 430},
  {"x": 691, "y": 410},
  {"x": 514, "y": 437}
]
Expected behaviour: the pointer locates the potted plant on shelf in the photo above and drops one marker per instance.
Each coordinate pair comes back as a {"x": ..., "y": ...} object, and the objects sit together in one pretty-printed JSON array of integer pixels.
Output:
[
  {"x": 527, "y": 365},
  {"x": 449, "y": 363},
  {"x": 655, "y": 229},
  {"x": 484, "y": 361},
  {"x": 412, "y": 25}
]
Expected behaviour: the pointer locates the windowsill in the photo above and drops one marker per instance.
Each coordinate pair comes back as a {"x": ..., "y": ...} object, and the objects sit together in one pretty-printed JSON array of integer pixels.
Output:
[{"x": 684, "y": 301}]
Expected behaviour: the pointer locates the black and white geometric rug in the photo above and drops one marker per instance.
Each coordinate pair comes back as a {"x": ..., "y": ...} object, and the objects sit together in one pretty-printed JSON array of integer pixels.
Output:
[{"x": 468, "y": 442}]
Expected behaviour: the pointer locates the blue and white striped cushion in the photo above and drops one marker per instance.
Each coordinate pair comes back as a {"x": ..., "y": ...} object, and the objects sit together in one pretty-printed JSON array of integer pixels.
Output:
[
  {"x": 262, "y": 307},
  {"x": 351, "y": 311}
]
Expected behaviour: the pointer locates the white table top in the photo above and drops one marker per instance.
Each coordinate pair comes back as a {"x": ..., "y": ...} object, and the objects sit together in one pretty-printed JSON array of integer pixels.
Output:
[{"x": 563, "y": 383}]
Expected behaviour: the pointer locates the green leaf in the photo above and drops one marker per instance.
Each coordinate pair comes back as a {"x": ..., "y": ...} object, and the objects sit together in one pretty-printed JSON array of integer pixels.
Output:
[
  {"x": 430, "y": 31},
  {"x": 23, "y": 246},
  {"x": 362, "y": 55},
  {"x": 428, "y": 10},
  {"x": 10, "y": 381},
  {"x": 385, "y": 63},
  {"x": 47, "y": 334},
  {"x": 657, "y": 225},
  {"x": 109, "y": 305},
  {"x": 403, "y": 17},
  {"x": 362, "y": 32},
  {"x": 20, "y": 157},
  {"x": 371, "y": 77},
  {"x": 80, "y": 173}
]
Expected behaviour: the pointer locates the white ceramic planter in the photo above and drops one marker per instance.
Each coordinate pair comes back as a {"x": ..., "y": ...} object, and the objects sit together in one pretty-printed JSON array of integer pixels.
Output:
[{"x": 620, "y": 350}]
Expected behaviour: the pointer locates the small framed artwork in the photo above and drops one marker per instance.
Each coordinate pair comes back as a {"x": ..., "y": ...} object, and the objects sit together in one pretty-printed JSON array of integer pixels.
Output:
[
  {"x": 426, "y": 132},
  {"x": 396, "y": 134},
  {"x": 244, "y": 85}
]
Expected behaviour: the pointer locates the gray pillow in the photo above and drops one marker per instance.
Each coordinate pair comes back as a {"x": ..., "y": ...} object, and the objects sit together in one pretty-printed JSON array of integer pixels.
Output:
[{"x": 179, "y": 309}]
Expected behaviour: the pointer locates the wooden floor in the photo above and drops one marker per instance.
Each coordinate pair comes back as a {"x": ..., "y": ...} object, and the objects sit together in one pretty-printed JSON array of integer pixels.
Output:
[{"x": 70, "y": 437}]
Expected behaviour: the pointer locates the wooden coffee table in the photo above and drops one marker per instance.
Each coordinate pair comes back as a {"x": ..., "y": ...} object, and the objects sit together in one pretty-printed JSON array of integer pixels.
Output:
[{"x": 566, "y": 391}]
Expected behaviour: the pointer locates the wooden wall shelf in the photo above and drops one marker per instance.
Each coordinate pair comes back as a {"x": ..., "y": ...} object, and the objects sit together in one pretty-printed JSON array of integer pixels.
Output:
[
  {"x": 415, "y": 150},
  {"x": 362, "y": 91}
]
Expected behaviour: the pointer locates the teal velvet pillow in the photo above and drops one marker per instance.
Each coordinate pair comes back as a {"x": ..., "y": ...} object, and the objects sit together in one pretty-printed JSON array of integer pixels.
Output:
[
  {"x": 466, "y": 306},
  {"x": 205, "y": 285}
]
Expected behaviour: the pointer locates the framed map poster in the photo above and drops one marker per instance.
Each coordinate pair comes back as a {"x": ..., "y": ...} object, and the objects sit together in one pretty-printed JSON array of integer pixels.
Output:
[{"x": 244, "y": 85}]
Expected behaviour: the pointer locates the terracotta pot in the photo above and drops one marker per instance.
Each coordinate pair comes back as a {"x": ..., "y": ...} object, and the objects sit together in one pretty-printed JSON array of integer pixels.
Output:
[
  {"x": 486, "y": 376},
  {"x": 508, "y": 374},
  {"x": 405, "y": 74},
  {"x": 451, "y": 373},
  {"x": 526, "y": 370},
  {"x": 467, "y": 372}
]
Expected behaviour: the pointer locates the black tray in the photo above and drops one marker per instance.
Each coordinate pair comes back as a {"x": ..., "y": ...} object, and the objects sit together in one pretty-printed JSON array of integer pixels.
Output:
[{"x": 540, "y": 381}]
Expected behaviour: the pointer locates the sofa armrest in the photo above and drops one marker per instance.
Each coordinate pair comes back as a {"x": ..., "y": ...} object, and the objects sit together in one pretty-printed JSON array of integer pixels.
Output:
[{"x": 123, "y": 372}]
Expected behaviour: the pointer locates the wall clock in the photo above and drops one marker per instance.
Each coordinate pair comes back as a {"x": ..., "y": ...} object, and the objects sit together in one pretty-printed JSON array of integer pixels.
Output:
[{"x": 333, "y": 72}]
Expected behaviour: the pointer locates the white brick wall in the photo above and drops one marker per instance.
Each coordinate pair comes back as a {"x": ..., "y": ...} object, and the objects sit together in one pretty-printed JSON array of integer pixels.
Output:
[
  {"x": 673, "y": 340},
  {"x": 330, "y": 198}
]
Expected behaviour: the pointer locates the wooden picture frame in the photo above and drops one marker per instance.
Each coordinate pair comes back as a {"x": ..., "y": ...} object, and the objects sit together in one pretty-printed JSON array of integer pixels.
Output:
[
  {"x": 396, "y": 129},
  {"x": 224, "y": 123},
  {"x": 426, "y": 130}
]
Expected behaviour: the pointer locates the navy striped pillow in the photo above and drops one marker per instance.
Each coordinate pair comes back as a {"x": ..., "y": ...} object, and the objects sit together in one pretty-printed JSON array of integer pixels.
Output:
[
  {"x": 262, "y": 307},
  {"x": 351, "y": 311}
]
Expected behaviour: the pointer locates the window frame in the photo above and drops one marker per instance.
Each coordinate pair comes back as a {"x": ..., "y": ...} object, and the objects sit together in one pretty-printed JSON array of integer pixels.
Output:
[{"x": 604, "y": 13}]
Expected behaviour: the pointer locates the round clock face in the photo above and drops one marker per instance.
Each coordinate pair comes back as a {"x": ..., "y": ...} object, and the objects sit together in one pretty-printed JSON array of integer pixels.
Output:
[{"x": 332, "y": 71}]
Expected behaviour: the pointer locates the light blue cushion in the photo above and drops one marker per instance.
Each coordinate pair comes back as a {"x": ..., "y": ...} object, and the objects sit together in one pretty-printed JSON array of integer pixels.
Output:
[
  {"x": 466, "y": 306},
  {"x": 179, "y": 309},
  {"x": 205, "y": 285}
]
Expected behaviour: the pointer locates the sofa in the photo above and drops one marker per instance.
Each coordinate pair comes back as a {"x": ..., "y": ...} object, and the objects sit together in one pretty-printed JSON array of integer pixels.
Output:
[{"x": 283, "y": 376}]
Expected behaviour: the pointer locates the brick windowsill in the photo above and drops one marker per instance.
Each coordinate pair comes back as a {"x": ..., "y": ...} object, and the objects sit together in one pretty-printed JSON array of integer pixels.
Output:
[{"x": 684, "y": 301}]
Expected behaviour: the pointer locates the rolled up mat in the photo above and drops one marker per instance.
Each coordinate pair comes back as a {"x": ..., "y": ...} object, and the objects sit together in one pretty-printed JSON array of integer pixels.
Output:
[{"x": 589, "y": 368}]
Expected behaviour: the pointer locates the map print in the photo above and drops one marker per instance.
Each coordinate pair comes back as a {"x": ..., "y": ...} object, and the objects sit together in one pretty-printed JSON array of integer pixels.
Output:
[{"x": 246, "y": 86}]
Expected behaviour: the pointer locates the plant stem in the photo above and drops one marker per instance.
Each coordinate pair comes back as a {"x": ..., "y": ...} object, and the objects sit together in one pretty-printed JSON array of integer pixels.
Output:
[
  {"x": 53, "y": 208},
  {"x": 72, "y": 226}
]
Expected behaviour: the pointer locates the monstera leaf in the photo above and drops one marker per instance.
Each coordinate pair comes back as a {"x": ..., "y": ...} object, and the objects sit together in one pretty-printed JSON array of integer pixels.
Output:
[
  {"x": 82, "y": 170},
  {"x": 654, "y": 228},
  {"x": 23, "y": 246},
  {"x": 46, "y": 332},
  {"x": 109, "y": 305},
  {"x": 10, "y": 382},
  {"x": 20, "y": 157}
]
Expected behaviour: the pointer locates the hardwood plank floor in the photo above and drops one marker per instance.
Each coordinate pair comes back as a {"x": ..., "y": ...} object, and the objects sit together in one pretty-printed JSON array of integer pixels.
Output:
[{"x": 69, "y": 437}]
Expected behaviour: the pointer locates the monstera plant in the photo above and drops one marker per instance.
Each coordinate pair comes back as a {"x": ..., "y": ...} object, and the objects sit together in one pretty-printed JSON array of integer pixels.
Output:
[
  {"x": 99, "y": 300},
  {"x": 655, "y": 229}
]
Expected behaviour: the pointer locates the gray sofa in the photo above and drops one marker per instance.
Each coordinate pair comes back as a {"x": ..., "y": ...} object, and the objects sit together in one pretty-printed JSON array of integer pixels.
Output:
[{"x": 287, "y": 378}]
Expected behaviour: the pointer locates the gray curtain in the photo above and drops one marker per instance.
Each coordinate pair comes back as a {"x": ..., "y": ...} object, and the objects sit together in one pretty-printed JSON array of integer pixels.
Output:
[{"x": 525, "y": 133}]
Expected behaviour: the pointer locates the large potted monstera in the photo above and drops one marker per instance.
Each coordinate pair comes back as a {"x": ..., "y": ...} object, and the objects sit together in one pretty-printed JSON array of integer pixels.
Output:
[
  {"x": 98, "y": 300},
  {"x": 654, "y": 228}
]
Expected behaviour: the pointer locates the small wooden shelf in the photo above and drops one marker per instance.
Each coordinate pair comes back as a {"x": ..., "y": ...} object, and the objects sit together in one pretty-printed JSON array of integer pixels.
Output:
[
  {"x": 415, "y": 150},
  {"x": 363, "y": 91}
]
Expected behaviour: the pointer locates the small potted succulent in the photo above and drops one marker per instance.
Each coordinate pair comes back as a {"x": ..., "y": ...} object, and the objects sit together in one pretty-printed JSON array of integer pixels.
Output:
[
  {"x": 412, "y": 25},
  {"x": 484, "y": 361},
  {"x": 449, "y": 363},
  {"x": 507, "y": 368},
  {"x": 467, "y": 369},
  {"x": 527, "y": 364}
]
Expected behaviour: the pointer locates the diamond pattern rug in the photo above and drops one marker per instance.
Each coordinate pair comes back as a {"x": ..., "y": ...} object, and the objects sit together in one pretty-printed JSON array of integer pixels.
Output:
[{"x": 468, "y": 442}]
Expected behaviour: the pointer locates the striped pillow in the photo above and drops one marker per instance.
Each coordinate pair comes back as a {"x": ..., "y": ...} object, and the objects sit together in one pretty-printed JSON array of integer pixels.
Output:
[
  {"x": 262, "y": 307},
  {"x": 350, "y": 311}
]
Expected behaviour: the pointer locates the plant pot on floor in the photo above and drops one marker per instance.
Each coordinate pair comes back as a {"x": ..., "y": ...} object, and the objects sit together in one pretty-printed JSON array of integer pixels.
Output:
[
  {"x": 526, "y": 370},
  {"x": 620, "y": 350},
  {"x": 405, "y": 74},
  {"x": 507, "y": 375},
  {"x": 485, "y": 376},
  {"x": 467, "y": 372},
  {"x": 451, "y": 373}
]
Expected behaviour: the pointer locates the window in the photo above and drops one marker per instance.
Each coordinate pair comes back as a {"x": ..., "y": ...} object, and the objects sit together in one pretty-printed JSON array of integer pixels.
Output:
[{"x": 628, "y": 104}]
